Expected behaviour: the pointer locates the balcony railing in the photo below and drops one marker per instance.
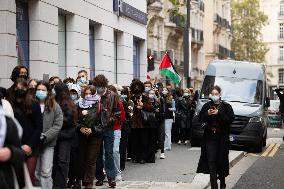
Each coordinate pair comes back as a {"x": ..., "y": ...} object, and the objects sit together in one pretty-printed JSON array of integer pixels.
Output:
[
  {"x": 218, "y": 19},
  {"x": 224, "y": 52},
  {"x": 223, "y": 22}
]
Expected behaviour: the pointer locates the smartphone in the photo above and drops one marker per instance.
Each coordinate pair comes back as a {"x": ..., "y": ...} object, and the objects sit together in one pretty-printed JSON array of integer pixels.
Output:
[{"x": 212, "y": 108}]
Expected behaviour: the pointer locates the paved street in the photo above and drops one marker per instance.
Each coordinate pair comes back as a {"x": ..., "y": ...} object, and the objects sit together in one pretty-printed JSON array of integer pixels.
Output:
[
  {"x": 263, "y": 170},
  {"x": 178, "y": 169},
  {"x": 179, "y": 166}
]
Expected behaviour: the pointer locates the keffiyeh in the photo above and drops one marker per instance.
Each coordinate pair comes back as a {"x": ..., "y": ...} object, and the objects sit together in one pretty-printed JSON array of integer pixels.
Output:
[{"x": 88, "y": 102}]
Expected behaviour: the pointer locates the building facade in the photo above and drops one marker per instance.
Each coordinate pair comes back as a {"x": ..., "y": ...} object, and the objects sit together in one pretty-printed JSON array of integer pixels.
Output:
[
  {"x": 273, "y": 37},
  {"x": 165, "y": 32},
  {"x": 218, "y": 33},
  {"x": 61, "y": 37}
]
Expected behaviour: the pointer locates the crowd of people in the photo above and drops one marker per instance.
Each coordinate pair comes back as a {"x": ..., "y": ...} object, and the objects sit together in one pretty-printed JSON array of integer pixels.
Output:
[{"x": 71, "y": 132}]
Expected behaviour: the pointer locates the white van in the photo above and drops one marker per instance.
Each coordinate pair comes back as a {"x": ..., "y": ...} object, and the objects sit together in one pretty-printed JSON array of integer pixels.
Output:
[{"x": 244, "y": 86}]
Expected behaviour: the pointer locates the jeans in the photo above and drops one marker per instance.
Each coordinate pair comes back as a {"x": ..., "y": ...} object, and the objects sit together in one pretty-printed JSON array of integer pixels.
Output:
[
  {"x": 116, "y": 154},
  {"x": 44, "y": 168},
  {"x": 107, "y": 147},
  {"x": 168, "y": 134},
  {"x": 61, "y": 163}
]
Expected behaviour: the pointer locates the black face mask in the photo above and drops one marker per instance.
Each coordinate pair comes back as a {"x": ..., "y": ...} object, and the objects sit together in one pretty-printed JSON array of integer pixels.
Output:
[
  {"x": 32, "y": 90},
  {"x": 20, "y": 93},
  {"x": 24, "y": 77}
]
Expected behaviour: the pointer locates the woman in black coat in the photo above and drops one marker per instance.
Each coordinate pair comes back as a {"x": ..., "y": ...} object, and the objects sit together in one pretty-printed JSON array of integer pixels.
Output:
[
  {"x": 11, "y": 153},
  {"x": 216, "y": 117},
  {"x": 27, "y": 111},
  {"x": 65, "y": 138}
]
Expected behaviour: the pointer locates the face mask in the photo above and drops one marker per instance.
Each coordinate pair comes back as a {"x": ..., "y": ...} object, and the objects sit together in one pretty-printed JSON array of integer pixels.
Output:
[
  {"x": 123, "y": 97},
  {"x": 83, "y": 80},
  {"x": 186, "y": 94},
  {"x": 41, "y": 95},
  {"x": 20, "y": 93},
  {"x": 165, "y": 92},
  {"x": 24, "y": 77},
  {"x": 100, "y": 90},
  {"x": 147, "y": 89},
  {"x": 152, "y": 97},
  {"x": 69, "y": 85},
  {"x": 215, "y": 98},
  {"x": 74, "y": 97},
  {"x": 32, "y": 90}
]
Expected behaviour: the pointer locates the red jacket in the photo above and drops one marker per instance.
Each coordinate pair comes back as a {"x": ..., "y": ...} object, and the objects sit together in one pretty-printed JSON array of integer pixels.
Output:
[{"x": 122, "y": 117}]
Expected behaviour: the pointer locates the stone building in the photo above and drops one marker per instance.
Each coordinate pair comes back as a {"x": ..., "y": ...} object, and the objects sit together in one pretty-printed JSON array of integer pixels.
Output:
[
  {"x": 60, "y": 37},
  {"x": 218, "y": 32},
  {"x": 273, "y": 37},
  {"x": 165, "y": 33}
]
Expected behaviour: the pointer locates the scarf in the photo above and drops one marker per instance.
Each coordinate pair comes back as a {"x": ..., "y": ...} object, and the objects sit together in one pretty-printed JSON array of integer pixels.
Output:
[{"x": 88, "y": 102}]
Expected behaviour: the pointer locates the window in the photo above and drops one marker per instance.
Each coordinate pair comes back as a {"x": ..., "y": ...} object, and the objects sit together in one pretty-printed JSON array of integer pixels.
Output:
[
  {"x": 136, "y": 59},
  {"x": 281, "y": 53},
  {"x": 281, "y": 76},
  {"x": 281, "y": 13},
  {"x": 22, "y": 27},
  {"x": 235, "y": 89},
  {"x": 92, "y": 50},
  {"x": 281, "y": 29},
  {"x": 62, "y": 45}
]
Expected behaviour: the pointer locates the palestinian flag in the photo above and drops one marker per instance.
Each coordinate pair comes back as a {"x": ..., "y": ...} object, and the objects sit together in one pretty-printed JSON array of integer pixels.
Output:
[{"x": 167, "y": 69}]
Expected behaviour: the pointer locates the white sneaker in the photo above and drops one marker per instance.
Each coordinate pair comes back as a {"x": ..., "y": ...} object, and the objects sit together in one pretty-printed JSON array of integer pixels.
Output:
[
  {"x": 179, "y": 142},
  {"x": 185, "y": 143},
  {"x": 162, "y": 156}
]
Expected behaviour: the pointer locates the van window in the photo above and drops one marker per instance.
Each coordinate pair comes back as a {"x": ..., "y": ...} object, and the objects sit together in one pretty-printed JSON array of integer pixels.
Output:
[{"x": 234, "y": 89}]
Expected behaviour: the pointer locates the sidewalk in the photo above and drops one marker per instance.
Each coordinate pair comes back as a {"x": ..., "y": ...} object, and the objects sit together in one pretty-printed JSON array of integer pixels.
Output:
[{"x": 200, "y": 181}]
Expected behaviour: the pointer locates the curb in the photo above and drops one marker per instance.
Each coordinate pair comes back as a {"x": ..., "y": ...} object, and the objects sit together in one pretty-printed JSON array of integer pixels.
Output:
[{"x": 202, "y": 181}]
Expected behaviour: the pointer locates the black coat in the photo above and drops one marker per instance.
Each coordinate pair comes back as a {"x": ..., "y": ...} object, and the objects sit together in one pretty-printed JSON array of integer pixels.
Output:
[
  {"x": 215, "y": 145},
  {"x": 32, "y": 125},
  {"x": 183, "y": 108},
  {"x": 13, "y": 142}
]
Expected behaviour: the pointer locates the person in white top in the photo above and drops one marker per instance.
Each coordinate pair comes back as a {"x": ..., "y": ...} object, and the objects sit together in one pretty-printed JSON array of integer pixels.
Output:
[{"x": 8, "y": 110}]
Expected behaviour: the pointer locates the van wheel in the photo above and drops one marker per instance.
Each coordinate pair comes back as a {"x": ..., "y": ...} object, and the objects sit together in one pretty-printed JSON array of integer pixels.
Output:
[
  {"x": 264, "y": 140},
  {"x": 259, "y": 146}
]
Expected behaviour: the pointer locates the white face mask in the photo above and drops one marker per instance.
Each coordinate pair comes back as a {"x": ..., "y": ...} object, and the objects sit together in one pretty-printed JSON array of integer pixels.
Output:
[{"x": 215, "y": 98}]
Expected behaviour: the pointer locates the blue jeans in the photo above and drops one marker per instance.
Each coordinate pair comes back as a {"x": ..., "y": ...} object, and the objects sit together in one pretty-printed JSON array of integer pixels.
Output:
[
  {"x": 107, "y": 148},
  {"x": 116, "y": 154},
  {"x": 44, "y": 168},
  {"x": 168, "y": 134}
]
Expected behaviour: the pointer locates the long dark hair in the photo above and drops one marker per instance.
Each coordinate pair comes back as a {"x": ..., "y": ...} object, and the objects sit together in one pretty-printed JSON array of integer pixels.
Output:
[
  {"x": 63, "y": 98},
  {"x": 50, "y": 100},
  {"x": 16, "y": 72},
  {"x": 26, "y": 102}
]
